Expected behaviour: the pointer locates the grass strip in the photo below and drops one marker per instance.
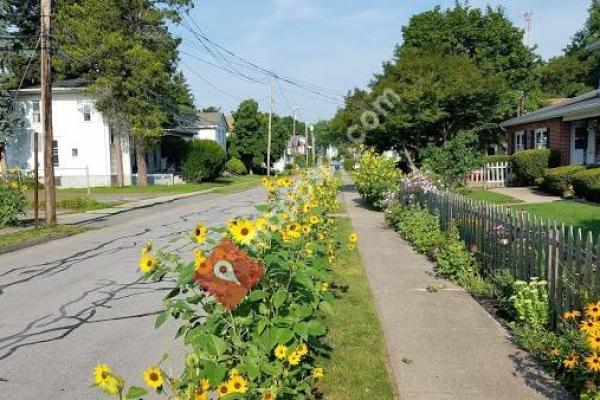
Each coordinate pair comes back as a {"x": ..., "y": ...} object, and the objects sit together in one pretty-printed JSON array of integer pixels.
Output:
[
  {"x": 490, "y": 197},
  {"x": 36, "y": 235},
  {"x": 358, "y": 369}
]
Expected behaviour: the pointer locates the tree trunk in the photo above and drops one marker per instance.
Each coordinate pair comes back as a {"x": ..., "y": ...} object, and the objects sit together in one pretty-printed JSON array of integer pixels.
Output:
[
  {"x": 140, "y": 157},
  {"x": 3, "y": 162},
  {"x": 409, "y": 159},
  {"x": 115, "y": 129}
]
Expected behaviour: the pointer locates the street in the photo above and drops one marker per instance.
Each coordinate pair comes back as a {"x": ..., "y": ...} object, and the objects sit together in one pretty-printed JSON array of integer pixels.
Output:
[{"x": 69, "y": 304}]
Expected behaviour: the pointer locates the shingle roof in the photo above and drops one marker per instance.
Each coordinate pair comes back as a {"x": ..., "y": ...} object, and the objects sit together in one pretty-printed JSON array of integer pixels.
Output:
[
  {"x": 570, "y": 107},
  {"x": 209, "y": 118},
  {"x": 78, "y": 83}
]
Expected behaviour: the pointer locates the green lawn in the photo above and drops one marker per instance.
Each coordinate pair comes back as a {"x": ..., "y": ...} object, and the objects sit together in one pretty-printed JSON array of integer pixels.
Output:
[
  {"x": 578, "y": 214},
  {"x": 489, "y": 196},
  {"x": 30, "y": 236},
  {"x": 358, "y": 369}
]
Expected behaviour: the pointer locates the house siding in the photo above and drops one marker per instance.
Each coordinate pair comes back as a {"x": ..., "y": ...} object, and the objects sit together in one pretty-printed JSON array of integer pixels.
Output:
[{"x": 559, "y": 137}]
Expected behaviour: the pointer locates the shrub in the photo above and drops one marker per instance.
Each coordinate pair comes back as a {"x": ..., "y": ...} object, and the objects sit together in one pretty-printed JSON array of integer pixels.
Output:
[
  {"x": 349, "y": 164},
  {"x": 497, "y": 158},
  {"x": 418, "y": 226},
  {"x": 587, "y": 184},
  {"x": 12, "y": 202},
  {"x": 235, "y": 166},
  {"x": 555, "y": 180},
  {"x": 205, "y": 161},
  {"x": 530, "y": 301},
  {"x": 376, "y": 176},
  {"x": 454, "y": 261},
  {"x": 530, "y": 165}
]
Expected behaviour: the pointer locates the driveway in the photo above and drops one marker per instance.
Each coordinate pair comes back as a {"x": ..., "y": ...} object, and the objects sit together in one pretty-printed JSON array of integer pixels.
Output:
[{"x": 69, "y": 304}]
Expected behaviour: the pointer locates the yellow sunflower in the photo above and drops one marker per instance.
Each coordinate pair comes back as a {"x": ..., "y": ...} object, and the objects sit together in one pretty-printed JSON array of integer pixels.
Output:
[
  {"x": 101, "y": 373},
  {"x": 106, "y": 381},
  {"x": 201, "y": 392},
  {"x": 281, "y": 352},
  {"x": 200, "y": 233},
  {"x": 200, "y": 264},
  {"x": 148, "y": 264},
  {"x": 571, "y": 361},
  {"x": 573, "y": 314},
  {"x": 353, "y": 237},
  {"x": 237, "y": 384},
  {"x": 222, "y": 389},
  {"x": 324, "y": 287},
  {"x": 302, "y": 349},
  {"x": 243, "y": 232},
  {"x": 153, "y": 377},
  {"x": 593, "y": 362},
  {"x": 588, "y": 326},
  {"x": 306, "y": 230},
  {"x": 294, "y": 358},
  {"x": 554, "y": 352},
  {"x": 306, "y": 208},
  {"x": 261, "y": 223},
  {"x": 318, "y": 373},
  {"x": 592, "y": 311},
  {"x": 593, "y": 340},
  {"x": 270, "y": 395},
  {"x": 313, "y": 220}
]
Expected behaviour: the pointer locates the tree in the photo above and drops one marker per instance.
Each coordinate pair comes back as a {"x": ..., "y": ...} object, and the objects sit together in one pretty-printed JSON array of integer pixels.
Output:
[
  {"x": 452, "y": 162},
  {"x": 127, "y": 52}
]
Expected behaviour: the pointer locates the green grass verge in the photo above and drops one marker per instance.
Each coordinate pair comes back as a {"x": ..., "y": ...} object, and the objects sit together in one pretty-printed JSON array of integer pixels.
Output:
[
  {"x": 358, "y": 368},
  {"x": 489, "y": 197},
  {"x": 80, "y": 204},
  {"x": 581, "y": 215},
  {"x": 34, "y": 235}
]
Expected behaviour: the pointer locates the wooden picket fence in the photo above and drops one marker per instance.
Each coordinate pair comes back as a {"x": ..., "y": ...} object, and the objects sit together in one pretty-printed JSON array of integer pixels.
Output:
[
  {"x": 505, "y": 238},
  {"x": 494, "y": 174}
]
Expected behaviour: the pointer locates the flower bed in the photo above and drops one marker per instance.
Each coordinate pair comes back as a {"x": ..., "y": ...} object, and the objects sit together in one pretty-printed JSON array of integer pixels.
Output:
[{"x": 267, "y": 346}]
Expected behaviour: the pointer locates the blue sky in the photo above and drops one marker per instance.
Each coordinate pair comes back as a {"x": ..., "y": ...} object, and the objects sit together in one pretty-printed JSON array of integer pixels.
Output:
[{"x": 333, "y": 44}]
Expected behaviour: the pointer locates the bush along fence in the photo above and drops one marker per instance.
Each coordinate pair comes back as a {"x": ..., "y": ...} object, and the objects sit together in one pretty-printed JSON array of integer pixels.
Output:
[
  {"x": 505, "y": 239},
  {"x": 251, "y": 309}
]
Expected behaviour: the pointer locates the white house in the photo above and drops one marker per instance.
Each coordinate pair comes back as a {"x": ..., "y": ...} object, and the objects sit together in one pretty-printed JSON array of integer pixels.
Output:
[
  {"x": 83, "y": 148},
  {"x": 212, "y": 126}
]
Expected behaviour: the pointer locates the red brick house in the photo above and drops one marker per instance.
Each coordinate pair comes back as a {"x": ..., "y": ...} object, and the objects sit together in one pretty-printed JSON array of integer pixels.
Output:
[{"x": 572, "y": 127}]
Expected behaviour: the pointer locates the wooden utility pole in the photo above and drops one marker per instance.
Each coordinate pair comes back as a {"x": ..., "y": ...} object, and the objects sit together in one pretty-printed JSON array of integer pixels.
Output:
[
  {"x": 46, "y": 86},
  {"x": 270, "y": 134},
  {"x": 36, "y": 179},
  {"x": 314, "y": 149}
]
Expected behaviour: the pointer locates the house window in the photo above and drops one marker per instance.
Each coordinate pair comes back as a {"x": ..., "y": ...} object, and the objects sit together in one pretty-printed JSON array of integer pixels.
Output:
[
  {"x": 55, "y": 153},
  {"x": 541, "y": 138},
  {"x": 519, "y": 141},
  {"x": 36, "y": 117},
  {"x": 74, "y": 152},
  {"x": 87, "y": 112}
]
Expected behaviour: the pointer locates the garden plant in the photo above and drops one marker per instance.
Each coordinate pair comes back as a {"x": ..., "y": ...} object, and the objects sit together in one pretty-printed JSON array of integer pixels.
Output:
[
  {"x": 12, "y": 198},
  {"x": 268, "y": 346},
  {"x": 375, "y": 177}
]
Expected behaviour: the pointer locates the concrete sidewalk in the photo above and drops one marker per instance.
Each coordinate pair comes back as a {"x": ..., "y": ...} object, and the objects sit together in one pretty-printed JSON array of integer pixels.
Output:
[
  {"x": 442, "y": 345},
  {"x": 527, "y": 194}
]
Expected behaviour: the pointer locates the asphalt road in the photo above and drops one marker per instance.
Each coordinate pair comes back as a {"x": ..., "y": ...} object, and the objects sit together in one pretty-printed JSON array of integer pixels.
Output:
[{"x": 69, "y": 304}]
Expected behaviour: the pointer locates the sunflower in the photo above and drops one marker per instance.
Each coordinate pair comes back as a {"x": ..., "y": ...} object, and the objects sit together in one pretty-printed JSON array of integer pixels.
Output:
[
  {"x": 270, "y": 395},
  {"x": 102, "y": 373},
  {"x": 237, "y": 384},
  {"x": 593, "y": 340},
  {"x": 324, "y": 287},
  {"x": 302, "y": 349},
  {"x": 201, "y": 392},
  {"x": 570, "y": 361},
  {"x": 306, "y": 208},
  {"x": 294, "y": 358},
  {"x": 261, "y": 223},
  {"x": 351, "y": 246},
  {"x": 153, "y": 377},
  {"x": 554, "y": 352},
  {"x": 148, "y": 263},
  {"x": 200, "y": 233},
  {"x": 306, "y": 230},
  {"x": 318, "y": 373},
  {"x": 313, "y": 220},
  {"x": 592, "y": 311},
  {"x": 281, "y": 352},
  {"x": 588, "y": 326},
  {"x": 243, "y": 232},
  {"x": 573, "y": 314},
  {"x": 232, "y": 223},
  {"x": 353, "y": 238},
  {"x": 593, "y": 362},
  {"x": 222, "y": 390}
]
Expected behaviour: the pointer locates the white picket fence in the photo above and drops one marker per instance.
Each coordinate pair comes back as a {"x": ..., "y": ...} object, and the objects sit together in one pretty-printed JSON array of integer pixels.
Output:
[{"x": 496, "y": 174}]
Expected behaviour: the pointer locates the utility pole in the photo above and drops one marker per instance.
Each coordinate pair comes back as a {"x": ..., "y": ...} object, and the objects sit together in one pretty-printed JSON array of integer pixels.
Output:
[
  {"x": 306, "y": 142},
  {"x": 314, "y": 150},
  {"x": 46, "y": 86},
  {"x": 270, "y": 133},
  {"x": 36, "y": 180}
]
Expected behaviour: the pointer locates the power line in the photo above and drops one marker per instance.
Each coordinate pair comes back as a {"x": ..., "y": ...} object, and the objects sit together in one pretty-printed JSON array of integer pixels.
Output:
[{"x": 12, "y": 106}]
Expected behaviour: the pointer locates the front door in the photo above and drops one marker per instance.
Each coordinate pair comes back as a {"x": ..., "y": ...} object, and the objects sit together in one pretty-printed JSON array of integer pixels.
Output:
[{"x": 579, "y": 146}]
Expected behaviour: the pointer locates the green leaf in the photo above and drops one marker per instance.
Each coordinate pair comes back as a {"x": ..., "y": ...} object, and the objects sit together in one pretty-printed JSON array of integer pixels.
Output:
[
  {"x": 301, "y": 329},
  {"x": 284, "y": 335},
  {"x": 257, "y": 295},
  {"x": 263, "y": 208},
  {"x": 303, "y": 279},
  {"x": 279, "y": 298},
  {"x": 135, "y": 393},
  {"x": 214, "y": 373},
  {"x": 160, "y": 319},
  {"x": 316, "y": 329},
  {"x": 326, "y": 308},
  {"x": 262, "y": 324},
  {"x": 186, "y": 274}
]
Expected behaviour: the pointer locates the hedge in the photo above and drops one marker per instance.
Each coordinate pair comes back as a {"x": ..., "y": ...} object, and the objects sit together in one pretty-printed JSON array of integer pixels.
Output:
[
  {"x": 235, "y": 166},
  {"x": 205, "y": 161},
  {"x": 587, "y": 184},
  {"x": 529, "y": 165},
  {"x": 556, "y": 180},
  {"x": 496, "y": 158}
]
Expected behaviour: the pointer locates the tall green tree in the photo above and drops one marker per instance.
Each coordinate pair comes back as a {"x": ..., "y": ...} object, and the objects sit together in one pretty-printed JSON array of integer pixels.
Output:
[{"x": 125, "y": 49}]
